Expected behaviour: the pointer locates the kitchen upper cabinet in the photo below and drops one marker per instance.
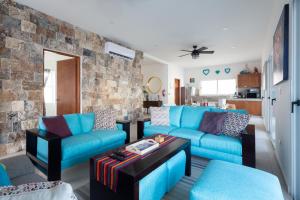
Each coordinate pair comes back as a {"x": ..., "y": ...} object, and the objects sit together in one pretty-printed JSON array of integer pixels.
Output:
[{"x": 249, "y": 80}]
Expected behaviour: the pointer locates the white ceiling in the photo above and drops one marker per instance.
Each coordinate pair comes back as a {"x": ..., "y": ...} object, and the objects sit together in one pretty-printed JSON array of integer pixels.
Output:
[{"x": 161, "y": 28}]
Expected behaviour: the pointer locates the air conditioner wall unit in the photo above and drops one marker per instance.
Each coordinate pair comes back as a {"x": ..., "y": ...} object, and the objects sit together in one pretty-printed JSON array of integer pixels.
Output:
[{"x": 118, "y": 50}]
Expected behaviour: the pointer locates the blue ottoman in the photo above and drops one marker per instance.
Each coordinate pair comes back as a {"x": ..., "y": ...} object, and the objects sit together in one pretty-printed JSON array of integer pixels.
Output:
[{"x": 228, "y": 181}]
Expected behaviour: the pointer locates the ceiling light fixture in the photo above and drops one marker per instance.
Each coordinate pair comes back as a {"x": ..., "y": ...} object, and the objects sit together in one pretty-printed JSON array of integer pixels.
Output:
[{"x": 225, "y": 29}]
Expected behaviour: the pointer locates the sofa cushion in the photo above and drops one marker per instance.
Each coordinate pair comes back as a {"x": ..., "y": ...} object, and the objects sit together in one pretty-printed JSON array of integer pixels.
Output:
[
  {"x": 222, "y": 143},
  {"x": 160, "y": 116},
  {"x": 212, "y": 122},
  {"x": 235, "y": 123},
  {"x": 41, "y": 124},
  {"x": 150, "y": 130},
  {"x": 109, "y": 136},
  {"x": 4, "y": 179},
  {"x": 175, "y": 115},
  {"x": 223, "y": 180},
  {"x": 87, "y": 121},
  {"x": 192, "y": 116},
  {"x": 105, "y": 119},
  {"x": 194, "y": 135},
  {"x": 57, "y": 125},
  {"x": 74, "y": 124},
  {"x": 78, "y": 145},
  {"x": 52, "y": 190}
]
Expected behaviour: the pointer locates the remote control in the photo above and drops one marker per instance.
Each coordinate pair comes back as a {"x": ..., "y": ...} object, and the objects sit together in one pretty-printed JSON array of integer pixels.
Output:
[
  {"x": 119, "y": 158},
  {"x": 119, "y": 153}
]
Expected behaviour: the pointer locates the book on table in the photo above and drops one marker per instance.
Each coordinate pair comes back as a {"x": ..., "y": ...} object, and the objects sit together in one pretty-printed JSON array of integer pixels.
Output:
[{"x": 142, "y": 147}]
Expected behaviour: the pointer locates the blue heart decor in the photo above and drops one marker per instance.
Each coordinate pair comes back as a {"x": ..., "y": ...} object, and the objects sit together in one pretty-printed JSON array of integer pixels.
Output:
[
  {"x": 205, "y": 72},
  {"x": 227, "y": 70}
]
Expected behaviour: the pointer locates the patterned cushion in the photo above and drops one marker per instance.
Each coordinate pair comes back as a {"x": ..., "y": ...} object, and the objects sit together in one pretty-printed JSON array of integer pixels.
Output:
[
  {"x": 56, "y": 190},
  {"x": 105, "y": 120},
  {"x": 160, "y": 116},
  {"x": 234, "y": 123}
]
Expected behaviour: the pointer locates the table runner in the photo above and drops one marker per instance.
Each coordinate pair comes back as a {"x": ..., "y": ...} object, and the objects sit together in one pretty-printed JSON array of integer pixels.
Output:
[{"x": 107, "y": 168}]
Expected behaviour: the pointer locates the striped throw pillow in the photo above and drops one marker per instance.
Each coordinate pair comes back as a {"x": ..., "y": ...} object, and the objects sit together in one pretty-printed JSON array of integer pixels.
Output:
[{"x": 160, "y": 116}]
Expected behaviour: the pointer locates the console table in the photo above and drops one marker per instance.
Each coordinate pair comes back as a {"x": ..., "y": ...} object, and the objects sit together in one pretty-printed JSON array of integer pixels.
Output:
[{"x": 148, "y": 104}]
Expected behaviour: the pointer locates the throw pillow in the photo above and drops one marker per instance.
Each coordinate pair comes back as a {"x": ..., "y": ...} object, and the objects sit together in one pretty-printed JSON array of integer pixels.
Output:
[
  {"x": 160, "y": 116},
  {"x": 235, "y": 123},
  {"x": 4, "y": 179},
  {"x": 212, "y": 122},
  {"x": 56, "y": 190},
  {"x": 105, "y": 119},
  {"x": 57, "y": 125}
]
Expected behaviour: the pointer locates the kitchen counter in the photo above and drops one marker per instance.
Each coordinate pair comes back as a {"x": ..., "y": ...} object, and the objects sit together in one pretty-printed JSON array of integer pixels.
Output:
[{"x": 244, "y": 99}]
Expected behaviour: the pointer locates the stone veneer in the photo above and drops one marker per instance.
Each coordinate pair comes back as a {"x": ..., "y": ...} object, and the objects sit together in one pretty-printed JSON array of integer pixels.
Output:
[{"x": 106, "y": 81}]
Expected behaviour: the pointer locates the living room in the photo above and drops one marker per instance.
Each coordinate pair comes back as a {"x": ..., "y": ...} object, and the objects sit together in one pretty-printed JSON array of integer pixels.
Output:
[{"x": 149, "y": 99}]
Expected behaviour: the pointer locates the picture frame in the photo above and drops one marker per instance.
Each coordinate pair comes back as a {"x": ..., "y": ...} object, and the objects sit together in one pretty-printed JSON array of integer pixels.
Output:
[{"x": 281, "y": 48}]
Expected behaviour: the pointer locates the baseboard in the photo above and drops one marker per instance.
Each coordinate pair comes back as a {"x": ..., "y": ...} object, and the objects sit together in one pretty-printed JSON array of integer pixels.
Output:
[{"x": 282, "y": 172}]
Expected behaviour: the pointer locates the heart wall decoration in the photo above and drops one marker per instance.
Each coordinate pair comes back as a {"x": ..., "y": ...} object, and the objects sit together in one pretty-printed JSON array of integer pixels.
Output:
[
  {"x": 205, "y": 72},
  {"x": 217, "y": 72},
  {"x": 227, "y": 70}
]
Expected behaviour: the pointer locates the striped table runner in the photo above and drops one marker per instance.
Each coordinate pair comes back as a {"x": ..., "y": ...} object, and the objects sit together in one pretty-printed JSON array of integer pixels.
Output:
[{"x": 107, "y": 168}]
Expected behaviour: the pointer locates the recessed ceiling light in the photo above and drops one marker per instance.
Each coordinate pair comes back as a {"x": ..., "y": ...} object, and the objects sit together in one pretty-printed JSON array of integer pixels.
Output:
[
  {"x": 233, "y": 47},
  {"x": 225, "y": 28}
]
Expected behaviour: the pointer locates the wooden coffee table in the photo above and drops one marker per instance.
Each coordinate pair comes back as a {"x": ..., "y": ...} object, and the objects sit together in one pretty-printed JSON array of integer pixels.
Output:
[{"x": 129, "y": 176}]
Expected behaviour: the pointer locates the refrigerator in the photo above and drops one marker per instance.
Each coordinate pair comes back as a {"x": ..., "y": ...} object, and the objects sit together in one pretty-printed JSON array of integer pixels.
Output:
[{"x": 187, "y": 94}]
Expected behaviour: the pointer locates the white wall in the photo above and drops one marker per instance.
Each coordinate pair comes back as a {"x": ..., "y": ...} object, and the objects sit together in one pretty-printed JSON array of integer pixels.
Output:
[
  {"x": 282, "y": 106},
  {"x": 235, "y": 69},
  {"x": 174, "y": 72},
  {"x": 158, "y": 70}
]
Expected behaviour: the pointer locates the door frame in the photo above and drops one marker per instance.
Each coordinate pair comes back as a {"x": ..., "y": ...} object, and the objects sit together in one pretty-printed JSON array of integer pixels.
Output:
[
  {"x": 78, "y": 77},
  {"x": 179, "y": 96},
  {"x": 295, "y": 94}
]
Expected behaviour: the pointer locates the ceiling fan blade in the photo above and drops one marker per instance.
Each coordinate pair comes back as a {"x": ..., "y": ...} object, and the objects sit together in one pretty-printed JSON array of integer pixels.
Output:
[
  {"x": 184, "y": 55},
  {"x": 202, "y": 49},
  {"x": 207, "y": 52},
  {"x": 187, "y": 51}
]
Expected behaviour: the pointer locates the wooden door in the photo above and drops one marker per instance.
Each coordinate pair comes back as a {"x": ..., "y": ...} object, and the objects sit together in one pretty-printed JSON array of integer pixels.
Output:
[
  {"x": 177, "y": 91},
  {"x": 68, "y": 83}
]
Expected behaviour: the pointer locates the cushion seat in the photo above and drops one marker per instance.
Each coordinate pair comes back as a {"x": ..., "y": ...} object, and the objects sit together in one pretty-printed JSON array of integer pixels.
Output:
[
  {"x": 79, "y": 145},
  {"x": 150, "y": 130},
  {"x": 194, "y": 135},
  {"x": 222, "y": 143},
  {"x": 108, "y": 137},
  {"x": 223, "y": 180}
]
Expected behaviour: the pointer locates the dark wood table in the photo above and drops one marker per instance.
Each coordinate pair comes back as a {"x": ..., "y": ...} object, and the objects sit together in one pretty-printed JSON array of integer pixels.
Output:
[{"x": 129, "y": 176}]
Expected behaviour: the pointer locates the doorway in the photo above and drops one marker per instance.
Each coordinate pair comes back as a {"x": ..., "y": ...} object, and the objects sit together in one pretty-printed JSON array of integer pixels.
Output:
[
  {"x": 177, "y": 91},
  {"x": 61, "y": 83}
]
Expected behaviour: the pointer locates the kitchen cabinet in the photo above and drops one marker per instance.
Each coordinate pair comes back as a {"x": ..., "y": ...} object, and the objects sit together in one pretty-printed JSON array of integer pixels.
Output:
[
  {"x": 253, "y": 107},
  {"x": 249, "y": 80}
]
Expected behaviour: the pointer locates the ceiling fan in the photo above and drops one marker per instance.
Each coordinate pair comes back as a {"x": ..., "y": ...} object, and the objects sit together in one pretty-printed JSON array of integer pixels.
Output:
[{"x": 196, "y": 52}]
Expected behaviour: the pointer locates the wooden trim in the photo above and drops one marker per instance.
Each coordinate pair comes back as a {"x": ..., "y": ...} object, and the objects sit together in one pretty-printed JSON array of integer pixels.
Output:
[
  {"x": 126, "y": 128},
  {"x": 248, "y": 145},
  {"x": 53, "y": 168},
  {"x": 78, "y": 78},
  {"x": 140, "y": 127}
]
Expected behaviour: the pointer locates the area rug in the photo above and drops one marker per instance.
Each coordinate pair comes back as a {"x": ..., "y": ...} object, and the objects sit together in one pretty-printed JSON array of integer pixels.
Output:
[{"x": 179, "y": 192}]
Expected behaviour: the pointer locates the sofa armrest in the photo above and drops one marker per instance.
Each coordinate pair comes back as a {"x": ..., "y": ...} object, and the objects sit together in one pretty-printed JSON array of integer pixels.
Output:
[
  {"x": 140, "y": 127},
  {"x": 248, "y": 145},
  {"x": 126, "y": 128},
  {"x": 53, "y": 168}
]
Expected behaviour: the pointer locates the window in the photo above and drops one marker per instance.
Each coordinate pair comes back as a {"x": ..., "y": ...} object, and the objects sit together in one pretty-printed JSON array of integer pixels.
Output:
[
  {"x": 208, "y": 87},
  {"x": 218, "y": 87}
]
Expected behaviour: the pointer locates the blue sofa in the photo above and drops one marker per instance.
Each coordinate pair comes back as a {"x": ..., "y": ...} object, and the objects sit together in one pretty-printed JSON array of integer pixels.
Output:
[
  {"x": 53, "y": 154},
  {"x": 185, "y": 122}
]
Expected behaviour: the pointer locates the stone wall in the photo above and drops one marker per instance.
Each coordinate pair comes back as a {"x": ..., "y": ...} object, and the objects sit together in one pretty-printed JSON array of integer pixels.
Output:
[{"x": 106, "y": 81}]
